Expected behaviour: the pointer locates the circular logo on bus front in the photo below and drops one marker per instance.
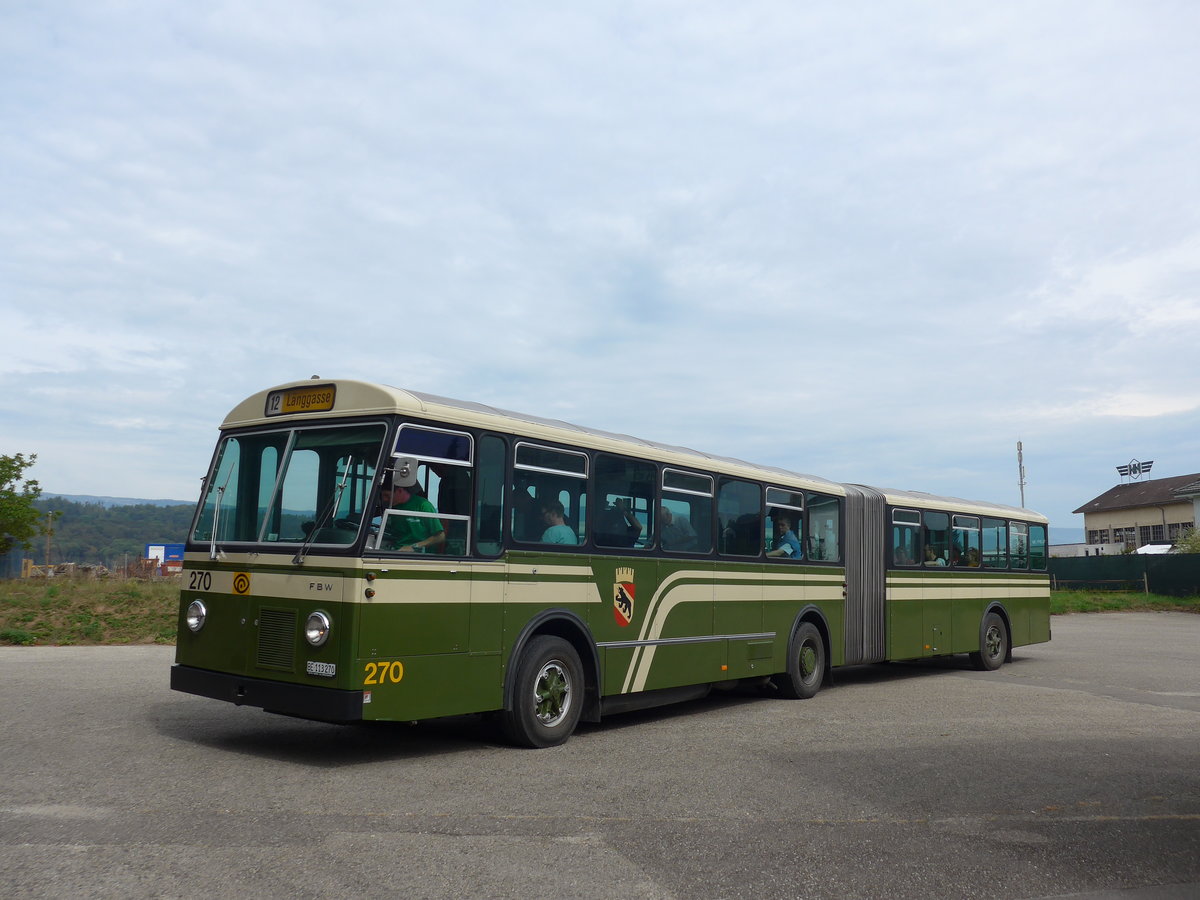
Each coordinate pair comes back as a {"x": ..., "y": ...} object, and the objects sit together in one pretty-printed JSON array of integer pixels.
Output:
[{"x": 241, "y": 583}]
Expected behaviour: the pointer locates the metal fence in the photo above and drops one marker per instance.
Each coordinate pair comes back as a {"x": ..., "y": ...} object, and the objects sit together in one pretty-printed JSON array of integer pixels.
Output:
[{"x": 1174, "y": 574}]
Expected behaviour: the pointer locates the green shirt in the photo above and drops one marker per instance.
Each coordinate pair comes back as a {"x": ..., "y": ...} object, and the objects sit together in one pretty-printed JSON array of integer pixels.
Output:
[{"x": 404, "y": 531}]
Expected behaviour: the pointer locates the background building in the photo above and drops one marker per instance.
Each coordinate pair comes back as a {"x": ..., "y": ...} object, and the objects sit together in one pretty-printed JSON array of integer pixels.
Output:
[{"x": 1137, "y": 513}]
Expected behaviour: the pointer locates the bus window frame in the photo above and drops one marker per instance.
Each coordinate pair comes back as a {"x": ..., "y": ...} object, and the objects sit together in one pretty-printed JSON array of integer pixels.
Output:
[
  {"x": 722, "y": 482},
  {"x": 993, "y": 522},
  {"x": 505, "y": 498},
  {"x": 800, "y": 519},
  {"x": 408, "y": 423},
  {"x": 583, "y": 516},
  {"x": 526, "y": 467},
  {"x": 806, "y": 540},
  {"x": 917, "y": 561},
  {"x": 373, "y": 544},
  {"x": 1015, "y": 529},
  {"x": 649, "y": 532},
  {"x": 977, "y": 527},
  {"x": 663, "y": 490},
  {"x": 292, "y": 428}
]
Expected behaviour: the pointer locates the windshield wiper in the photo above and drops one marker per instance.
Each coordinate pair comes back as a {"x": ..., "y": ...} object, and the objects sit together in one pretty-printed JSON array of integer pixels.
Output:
[
  {"x": 213, "y": 551},
  {"x": 325, "y": 516},
  {"x": 212, "y": 546}
]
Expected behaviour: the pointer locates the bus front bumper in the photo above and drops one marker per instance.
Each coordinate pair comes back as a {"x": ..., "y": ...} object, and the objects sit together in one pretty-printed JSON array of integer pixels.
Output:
[{"x": 300, "y": 700}]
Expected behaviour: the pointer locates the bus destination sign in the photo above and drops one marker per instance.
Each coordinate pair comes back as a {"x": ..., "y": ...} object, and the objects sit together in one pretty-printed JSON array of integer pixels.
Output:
[{"x": 300, "y": 400}]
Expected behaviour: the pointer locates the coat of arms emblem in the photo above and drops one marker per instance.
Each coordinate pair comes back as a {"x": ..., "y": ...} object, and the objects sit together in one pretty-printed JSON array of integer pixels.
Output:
[{"x": 623, "y": 591}]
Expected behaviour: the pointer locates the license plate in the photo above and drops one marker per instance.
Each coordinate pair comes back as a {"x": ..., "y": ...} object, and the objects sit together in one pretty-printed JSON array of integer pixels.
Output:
[{"x": 324, "y": 669}]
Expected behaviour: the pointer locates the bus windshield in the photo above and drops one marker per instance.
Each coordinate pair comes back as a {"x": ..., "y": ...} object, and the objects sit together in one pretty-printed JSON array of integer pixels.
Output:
[{"x": 290, "y": 486}]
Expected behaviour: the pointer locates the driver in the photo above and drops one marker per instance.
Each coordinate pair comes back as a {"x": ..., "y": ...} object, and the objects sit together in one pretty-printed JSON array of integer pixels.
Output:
[{"x": 411, "y": 534}]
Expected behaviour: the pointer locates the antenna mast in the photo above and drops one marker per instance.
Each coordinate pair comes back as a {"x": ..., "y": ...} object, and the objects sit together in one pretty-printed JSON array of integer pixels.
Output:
[{"x": 1021, "y": 473}]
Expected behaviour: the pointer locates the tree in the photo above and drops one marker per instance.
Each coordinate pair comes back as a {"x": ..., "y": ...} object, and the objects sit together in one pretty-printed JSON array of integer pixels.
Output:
[
  {"x": 19, "y": 519},
  {"x": 1188, "y": 542}
]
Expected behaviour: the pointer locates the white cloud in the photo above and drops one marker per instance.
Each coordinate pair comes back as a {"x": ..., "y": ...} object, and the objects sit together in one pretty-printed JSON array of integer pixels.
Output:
[
  {"x": 875, "y": 248},
  {"x": 1150, "y": 293},
  {"x": 1118, "y": 404}
]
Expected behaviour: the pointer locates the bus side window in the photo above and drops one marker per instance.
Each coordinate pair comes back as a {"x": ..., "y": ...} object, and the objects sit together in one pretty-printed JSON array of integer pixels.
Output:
[
  {"x": 995, "y": 544},
  {"x": 1037, "y": 546},
  {"x": 449, "y": 490},
  {"x": 937, "y": 528},
  {"x": 823, "y": 527},
  {"x": 445, "y": 463},
  {"x": 489, "y": 502},
  {"x": 624, "y": 502},
  {"x": 685, "y": 515},
  {"x": 549, "y": 482},
  {"x": 965, "y": 549},
  {"x": 906, "y": 537},
  {"x": 739, "y": 514},
  {"x": 783, "y": 525},
  {"x": 1018, "y": 545}
]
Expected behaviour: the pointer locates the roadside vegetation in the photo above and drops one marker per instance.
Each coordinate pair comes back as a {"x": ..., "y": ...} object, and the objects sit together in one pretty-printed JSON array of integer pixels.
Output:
[
  {"x": 1119, "y": 601},
  {"x": 129, "y": 611},
  {"x": 88, "y": 611}
]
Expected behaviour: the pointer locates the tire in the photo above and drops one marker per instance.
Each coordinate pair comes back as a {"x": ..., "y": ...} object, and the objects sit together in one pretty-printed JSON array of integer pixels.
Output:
[
  {"x": 547, "y": 694},
  {"x": 993, "y": 644},
  {"x": 806, "y": 664}
]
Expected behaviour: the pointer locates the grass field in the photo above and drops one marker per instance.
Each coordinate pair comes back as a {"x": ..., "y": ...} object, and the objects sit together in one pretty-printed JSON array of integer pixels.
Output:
[
  {"x": 1118, "y": 601},
  {"x": 118, "y": 611},
  {"x": 86, "y": 611}
]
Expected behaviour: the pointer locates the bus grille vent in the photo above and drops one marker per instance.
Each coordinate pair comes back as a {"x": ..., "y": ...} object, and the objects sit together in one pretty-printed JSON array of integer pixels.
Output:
[{"x": 277, "y": 639}]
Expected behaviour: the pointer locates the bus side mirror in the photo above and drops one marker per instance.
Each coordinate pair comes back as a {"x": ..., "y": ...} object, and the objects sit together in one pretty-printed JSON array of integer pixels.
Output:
[{"x": 404, "y": 471}]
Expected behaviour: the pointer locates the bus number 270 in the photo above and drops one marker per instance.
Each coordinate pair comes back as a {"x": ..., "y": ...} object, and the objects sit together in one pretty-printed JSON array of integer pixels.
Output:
[{"x": 382, "y": 672}]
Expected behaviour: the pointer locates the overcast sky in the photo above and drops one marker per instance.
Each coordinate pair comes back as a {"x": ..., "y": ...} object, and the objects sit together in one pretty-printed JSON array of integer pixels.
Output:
[{"x": 877, "y": 242}]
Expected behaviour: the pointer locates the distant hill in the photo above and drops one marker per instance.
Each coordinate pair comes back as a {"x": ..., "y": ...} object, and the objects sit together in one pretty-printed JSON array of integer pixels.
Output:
[
  {"x": 89, "y": 530},
  {"x": 110, "y": 502}
]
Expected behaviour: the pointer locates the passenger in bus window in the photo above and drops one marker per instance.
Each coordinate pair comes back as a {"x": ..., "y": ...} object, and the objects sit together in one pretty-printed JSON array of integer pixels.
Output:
[
  {"x": 411, "y": 534},
  {"x": 900, "y": 556},
  {"x": 618, "y": 526},
  {"x": 526, "y": 511},
  {"x": 677, "y": 533},
  {"x": 786, "y": 543},
  {"x": 557, "y": 530},
  {"x": 932, "y": 559}
]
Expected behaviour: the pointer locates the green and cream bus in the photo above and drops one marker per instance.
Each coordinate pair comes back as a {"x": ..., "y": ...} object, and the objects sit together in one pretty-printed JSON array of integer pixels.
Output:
[{"x": 362, "y": 552}]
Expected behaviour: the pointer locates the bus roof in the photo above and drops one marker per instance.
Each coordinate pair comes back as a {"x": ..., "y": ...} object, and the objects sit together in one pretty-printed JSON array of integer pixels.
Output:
[
  {"x": 922, "y": 500},
  {"x": 360, "y": 398}
]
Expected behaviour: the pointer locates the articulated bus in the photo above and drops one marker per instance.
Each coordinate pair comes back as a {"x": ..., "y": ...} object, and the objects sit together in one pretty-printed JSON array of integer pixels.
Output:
[{"x": 366, "y": 553}]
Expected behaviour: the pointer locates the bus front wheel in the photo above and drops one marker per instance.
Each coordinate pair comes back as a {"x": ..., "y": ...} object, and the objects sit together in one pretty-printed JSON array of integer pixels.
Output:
[
  {"x": 547, "y": 694},
  {"x": 806, "y": 664},
  {"x": 993, "y": 644}
]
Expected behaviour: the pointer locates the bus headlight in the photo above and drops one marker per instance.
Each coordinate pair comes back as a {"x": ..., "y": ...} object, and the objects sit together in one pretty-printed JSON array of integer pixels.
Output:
[
  {"x": 196, "y": 614},
  {"x": 316, "y": 629}
]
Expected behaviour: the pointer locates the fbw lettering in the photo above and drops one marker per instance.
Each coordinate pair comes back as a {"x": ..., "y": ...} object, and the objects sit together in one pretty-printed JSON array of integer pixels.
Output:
[{"x": 320, "y": 586}]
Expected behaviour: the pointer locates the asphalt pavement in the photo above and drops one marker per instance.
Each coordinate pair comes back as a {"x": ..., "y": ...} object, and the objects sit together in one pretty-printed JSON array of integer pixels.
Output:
[{"x": 1072, "y": 771}]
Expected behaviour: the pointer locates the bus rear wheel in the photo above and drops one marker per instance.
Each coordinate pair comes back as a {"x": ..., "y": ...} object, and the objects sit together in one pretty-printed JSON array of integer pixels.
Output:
[
  {"x": 547, "y": 694},
  {"x": 993, "y": 644},
  {"x": 806, "y": 664}
]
